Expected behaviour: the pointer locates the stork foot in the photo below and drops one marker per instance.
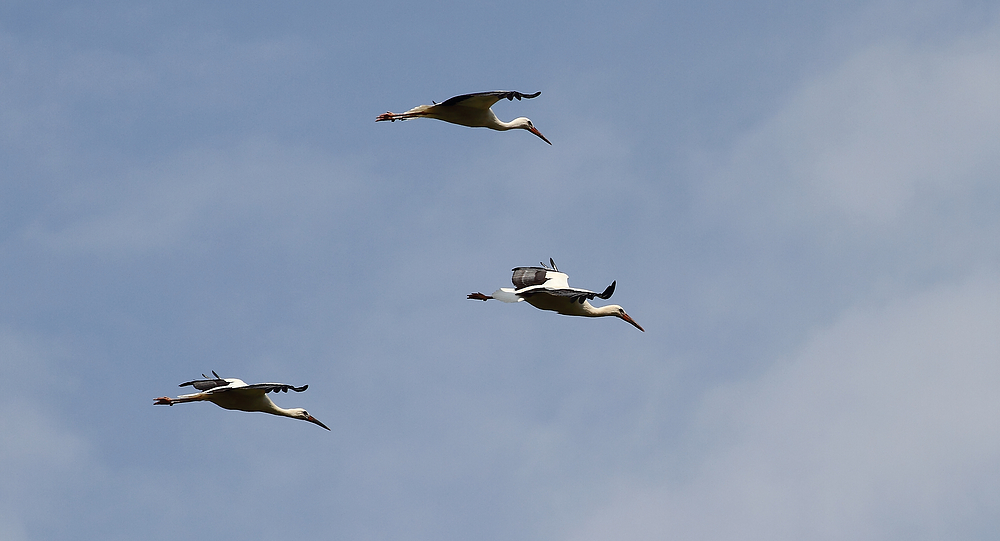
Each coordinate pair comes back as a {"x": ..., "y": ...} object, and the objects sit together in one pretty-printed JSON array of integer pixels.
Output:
[
  {"x": 386, "y": 116},
  {"x": 163, "y": 401},
  {"x": 479, "y": 297}
]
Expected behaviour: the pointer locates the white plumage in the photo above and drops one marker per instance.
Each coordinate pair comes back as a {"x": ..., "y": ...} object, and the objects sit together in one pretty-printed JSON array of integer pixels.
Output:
[
  {"x": 471, "y": 110},
  {"x": 235, "y": 394},
  {"x": 546, "y": 288}
]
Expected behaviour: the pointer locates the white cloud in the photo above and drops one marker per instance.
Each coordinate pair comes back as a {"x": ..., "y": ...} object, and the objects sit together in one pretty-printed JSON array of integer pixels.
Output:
[
  {"x": 37, "y": 451},
  {"x": 288, "y": 260},
  {"x": 892, "y": 129},
  {"x": 884, "y": 425},
  {"x": 196, "y": 195}
]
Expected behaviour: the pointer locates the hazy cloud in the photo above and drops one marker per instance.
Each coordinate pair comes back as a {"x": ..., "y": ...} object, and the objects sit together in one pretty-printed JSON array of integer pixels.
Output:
[{"x": 882, "y": 426}]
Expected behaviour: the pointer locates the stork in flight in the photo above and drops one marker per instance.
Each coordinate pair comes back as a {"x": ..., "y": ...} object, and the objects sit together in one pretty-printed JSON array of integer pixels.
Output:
[
  {"x": 234, "y": 394},
  {"x": 471, "y": 110},
  {"x": 546, "y": 288}
]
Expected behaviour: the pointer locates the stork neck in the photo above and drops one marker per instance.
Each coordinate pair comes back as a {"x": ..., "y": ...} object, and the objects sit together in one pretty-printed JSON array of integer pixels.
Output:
[
  {"x": 504, "y": 126},
  {"x": 293, "y": 413},
  {"x": 598, "y": 311},
  {"x": 519, "y": 122},
  {"x": 278, "y": 410}
]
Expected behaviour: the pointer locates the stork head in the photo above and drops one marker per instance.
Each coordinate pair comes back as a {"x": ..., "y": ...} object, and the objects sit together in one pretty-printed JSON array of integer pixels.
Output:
[
  {"x": 300, "y": 413},
  {"x": 524, "y": 123},
  {"x": 620, "y": 312}
]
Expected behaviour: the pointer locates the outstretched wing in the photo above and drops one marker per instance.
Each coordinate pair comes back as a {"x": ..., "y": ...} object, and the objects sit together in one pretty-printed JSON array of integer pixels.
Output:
[
  {"x": 485, "y": 100},
  {"x": 259, "y": 389},
  {"x": 575, "y": 295},
  {"x": 550, "y": 277},
  {"x": 529, "y": 276},
  {"x": 276, "y": 387},
  {"x": 206, "y": 384}
]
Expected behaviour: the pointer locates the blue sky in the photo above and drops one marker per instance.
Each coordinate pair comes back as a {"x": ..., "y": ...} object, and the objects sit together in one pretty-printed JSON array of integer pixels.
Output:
[{"x": 799, "y": 203}]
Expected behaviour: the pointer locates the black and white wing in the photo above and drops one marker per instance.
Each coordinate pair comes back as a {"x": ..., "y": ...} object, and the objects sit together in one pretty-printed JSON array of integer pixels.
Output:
[
  {"x": 550, "y": 277},
  {"x": 241, "y": 388},
  {"x": 548, "y": 280},
  {"x": 276, "y": 387},
  {"x": 531, "y": 276},
  {"x": 485, "y": 100},
  {"x": 207, "y": 383},
  {"x": 575, "y": 295}
]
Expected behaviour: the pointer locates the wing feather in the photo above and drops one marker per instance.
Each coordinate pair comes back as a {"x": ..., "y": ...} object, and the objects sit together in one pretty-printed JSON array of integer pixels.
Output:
[
  {"x": 529, "y": 276},
  {"x": 575, "y": 295},
  {"x": 206, "y": 384},
  {"x": 277, "y": 387},
  {"x": 535, "y": 276},
  {"x": 548, "y": 280},
  {"x": 485, "y": 100}
]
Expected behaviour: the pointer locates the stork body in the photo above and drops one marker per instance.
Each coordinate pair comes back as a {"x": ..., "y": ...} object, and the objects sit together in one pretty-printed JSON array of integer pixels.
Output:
[
  {"x": 471, "y": 110},
  {"x": 235, "y": 394},
  {"x": 546, "y": 288}
]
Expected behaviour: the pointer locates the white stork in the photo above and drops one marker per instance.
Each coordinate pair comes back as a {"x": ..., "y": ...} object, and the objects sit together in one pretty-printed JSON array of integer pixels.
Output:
[
  {"x": 548, "y": 289},
  {"x": 471, "y": 110},
  {"x": 234, "y": 394}
]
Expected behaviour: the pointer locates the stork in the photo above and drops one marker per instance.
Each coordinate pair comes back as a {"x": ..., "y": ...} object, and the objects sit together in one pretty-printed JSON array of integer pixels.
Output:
[
  {"x": 471, "y": 110},
  {"x": 234, "y": 394},
  {"x": 546, "y": 288}
]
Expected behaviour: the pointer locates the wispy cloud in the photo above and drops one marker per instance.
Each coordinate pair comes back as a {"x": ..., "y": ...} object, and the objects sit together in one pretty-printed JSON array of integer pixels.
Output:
[
  {"x": 196, "y": 197},
  {"x": 882, "y": 426},
  {"x": 895, "y": 128}
]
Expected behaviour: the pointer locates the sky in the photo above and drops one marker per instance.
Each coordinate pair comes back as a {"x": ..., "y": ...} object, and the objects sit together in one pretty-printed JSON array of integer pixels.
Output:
[{"x": 800, "y": 203}]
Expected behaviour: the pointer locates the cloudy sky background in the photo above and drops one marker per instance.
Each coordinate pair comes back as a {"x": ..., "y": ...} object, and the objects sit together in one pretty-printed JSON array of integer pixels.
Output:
[{"x": 800, "y": 203}]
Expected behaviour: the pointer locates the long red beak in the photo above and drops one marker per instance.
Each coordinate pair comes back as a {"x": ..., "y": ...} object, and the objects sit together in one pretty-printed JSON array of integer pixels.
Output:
[
  {"x": 626, "y": 317},
  {"x": 535, "y": 131},
  {"x": 312, "y": 419}
]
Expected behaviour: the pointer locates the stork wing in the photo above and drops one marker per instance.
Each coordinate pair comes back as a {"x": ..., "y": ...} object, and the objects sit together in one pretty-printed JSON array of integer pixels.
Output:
[
  {"x": 276, "y": 387},
  {"x": 259, "y": 389},
  {"x": 575, "y": 295},
  {"x": 485, "y": 100},
  {"x": 536, "y": 276},
  {"x": 528, "y": 276},
  {"x": 206, "y": 384}
]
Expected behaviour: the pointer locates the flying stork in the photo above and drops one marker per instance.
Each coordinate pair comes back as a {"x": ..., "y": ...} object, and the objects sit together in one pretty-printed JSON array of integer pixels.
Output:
[
  {"x": 234, "y": 394},
  {"x": 471, "y": 110},
  {"x": 548, "y": 289}
]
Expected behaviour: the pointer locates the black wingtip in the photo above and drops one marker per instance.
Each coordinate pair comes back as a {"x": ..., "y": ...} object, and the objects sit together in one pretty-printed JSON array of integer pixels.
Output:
[
  {"x": 609, "y": 291},
  {"x": 553, "y": 263},
  {"x": 518, "y": 95}
]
